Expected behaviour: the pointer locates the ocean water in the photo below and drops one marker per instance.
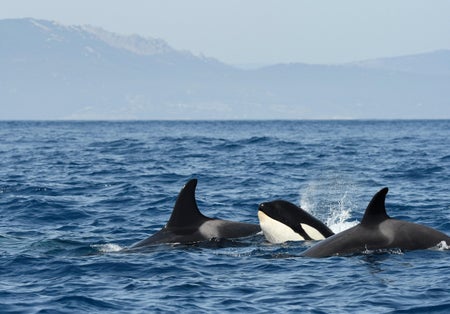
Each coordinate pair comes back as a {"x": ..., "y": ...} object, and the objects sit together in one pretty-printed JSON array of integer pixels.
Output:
[{"x": 73, "y": 194}]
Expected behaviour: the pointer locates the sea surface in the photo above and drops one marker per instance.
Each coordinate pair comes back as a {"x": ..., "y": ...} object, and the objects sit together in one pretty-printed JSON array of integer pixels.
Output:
[{"x": 74, "y": 194}]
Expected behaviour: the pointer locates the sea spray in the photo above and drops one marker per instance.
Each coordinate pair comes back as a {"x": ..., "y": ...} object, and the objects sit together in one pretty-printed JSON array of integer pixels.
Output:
[
  {"x": 329, "y": 201},
  {"x": 339, "y": 215}
]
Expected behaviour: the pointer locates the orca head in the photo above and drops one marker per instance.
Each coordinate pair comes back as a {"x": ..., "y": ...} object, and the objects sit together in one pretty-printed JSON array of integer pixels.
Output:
[
  {"x": 280, "y": 210},
  {"x": 376, "y": 210},
  {"x": 283, "y": 221}
]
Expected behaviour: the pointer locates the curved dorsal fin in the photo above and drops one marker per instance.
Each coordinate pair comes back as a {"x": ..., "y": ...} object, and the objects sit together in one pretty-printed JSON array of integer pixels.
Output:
[
  {"x": 185, "y": 212},
  {"x": 376, "y": 210}
]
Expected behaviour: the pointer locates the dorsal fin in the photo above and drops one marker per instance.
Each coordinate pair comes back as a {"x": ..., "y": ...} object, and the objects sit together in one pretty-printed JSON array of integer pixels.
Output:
[
  {"x": 376, "y": 210},
  {"x": 185, "y": 212}
]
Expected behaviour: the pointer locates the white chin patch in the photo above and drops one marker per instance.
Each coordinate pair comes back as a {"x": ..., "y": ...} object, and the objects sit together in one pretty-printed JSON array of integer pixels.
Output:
[{"x": 275, "y": 231}]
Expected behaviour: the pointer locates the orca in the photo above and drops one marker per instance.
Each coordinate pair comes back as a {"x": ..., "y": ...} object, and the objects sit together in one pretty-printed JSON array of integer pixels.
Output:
[
  {"x": 282, "y": 221},
  {"x": 378, "y": 231},
  {"x": 188, "y": 225}
]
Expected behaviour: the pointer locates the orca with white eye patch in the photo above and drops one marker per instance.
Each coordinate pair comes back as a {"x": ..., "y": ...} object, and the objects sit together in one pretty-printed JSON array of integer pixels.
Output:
[{"x": 282, "y": 221}]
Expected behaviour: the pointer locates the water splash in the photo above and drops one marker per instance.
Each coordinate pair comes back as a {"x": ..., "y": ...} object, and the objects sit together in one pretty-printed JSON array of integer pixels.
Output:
[
  {"x": 329, "y": 201},
  {"x": 107, "y": 248},
  {"x": 338, "y": 219}
]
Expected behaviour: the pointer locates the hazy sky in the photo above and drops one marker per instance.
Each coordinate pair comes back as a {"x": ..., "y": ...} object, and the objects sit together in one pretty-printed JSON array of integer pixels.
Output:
[{"x": 263, "y": 31}]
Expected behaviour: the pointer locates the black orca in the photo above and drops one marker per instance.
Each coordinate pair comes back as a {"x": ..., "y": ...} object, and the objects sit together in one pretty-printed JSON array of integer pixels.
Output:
[
  {"x": 283, "y": 221},
  {"x": 188, "y": 225},
  {"x": 378, "y": 231}
]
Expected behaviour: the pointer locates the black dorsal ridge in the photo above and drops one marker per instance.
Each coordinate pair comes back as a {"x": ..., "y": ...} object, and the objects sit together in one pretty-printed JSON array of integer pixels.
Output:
[
  {"x": 185, "y": 212},
  {"x": 376, "y": 210}
]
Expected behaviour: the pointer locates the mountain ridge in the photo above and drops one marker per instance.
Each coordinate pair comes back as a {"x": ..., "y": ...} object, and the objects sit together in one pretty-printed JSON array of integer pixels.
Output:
[{"x": 53, "y": 71}]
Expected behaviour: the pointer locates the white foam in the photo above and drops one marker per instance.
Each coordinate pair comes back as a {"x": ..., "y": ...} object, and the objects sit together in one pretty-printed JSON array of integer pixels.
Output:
[
  {"x": 107, "y": 248},
  {"x": 342, "y": 226},
  {"x": 443, "y": 246}
]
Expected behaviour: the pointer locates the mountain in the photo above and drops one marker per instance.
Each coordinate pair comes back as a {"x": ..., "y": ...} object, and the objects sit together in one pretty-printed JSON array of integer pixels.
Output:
[
  {"x": 434, "y": 64},
  {"x": 53, "y": 71}
]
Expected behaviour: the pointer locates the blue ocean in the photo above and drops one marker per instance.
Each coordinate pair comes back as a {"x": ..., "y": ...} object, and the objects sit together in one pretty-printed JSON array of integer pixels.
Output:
[{"x": 74, "y": 194}]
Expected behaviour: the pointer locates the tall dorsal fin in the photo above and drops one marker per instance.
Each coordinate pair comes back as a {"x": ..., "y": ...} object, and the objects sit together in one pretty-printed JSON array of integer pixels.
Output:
[
  {"x": 376, "y": 210},
  {"x": 185, "y": 212}
]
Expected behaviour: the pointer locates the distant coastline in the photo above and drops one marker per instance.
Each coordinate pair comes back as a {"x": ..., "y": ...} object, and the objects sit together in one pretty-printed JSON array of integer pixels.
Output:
[{"x": 56, "y": 72}]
